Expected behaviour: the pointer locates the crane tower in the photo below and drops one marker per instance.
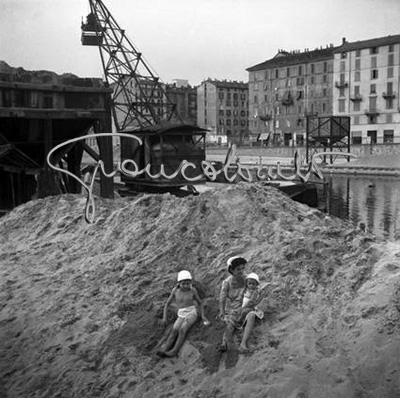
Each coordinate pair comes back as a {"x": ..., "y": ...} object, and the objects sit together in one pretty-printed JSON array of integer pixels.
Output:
[{"x": 139, "y": 99}]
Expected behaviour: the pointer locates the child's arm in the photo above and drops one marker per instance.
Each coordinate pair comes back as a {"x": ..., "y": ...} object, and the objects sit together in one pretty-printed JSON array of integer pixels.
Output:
[
  {"x": 169, "y": 300},
  {"x": 201, "y": 304}
]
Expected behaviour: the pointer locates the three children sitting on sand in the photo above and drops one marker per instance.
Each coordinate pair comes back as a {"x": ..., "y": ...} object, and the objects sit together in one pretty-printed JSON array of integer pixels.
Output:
[{"x": 188, "y": 304}]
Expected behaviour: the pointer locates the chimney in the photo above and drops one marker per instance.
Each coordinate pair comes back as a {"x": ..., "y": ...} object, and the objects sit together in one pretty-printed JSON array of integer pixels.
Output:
[{"x": 343, "y": 40}]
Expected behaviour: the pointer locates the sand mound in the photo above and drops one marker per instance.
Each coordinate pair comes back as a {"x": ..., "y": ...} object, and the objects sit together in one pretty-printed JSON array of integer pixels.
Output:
[{"x": 80, "y": 303}]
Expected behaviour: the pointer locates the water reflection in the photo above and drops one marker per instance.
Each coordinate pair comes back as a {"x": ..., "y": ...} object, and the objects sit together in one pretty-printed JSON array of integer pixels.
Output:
[{"x": 372, "y": 200}]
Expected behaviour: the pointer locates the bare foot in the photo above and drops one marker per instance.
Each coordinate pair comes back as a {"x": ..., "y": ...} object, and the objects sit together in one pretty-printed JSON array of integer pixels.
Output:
[
  {"x": 170, "y": 354},
  {"x": 245, "y": 350}
]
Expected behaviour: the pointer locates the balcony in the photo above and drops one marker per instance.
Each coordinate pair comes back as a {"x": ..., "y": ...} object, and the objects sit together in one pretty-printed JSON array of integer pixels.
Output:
[
  {"x": 356, "y": 97},
  {"x": 287, "y": 101},
  {"x": 341, "y": 84},
  {"x": 371, "y": 112},
  {"x": 389, "y": 95}
]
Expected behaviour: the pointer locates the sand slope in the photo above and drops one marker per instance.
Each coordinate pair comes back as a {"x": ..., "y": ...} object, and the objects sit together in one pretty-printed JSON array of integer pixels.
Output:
[{"x": 80, "y": 303}]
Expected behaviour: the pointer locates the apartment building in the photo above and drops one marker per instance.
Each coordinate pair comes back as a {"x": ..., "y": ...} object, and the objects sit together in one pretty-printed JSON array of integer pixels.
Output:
[
  {"x": 222, "y": 108},
  {"x": 286, "y": 89},
  {"x": 185, "y": 98},
  {"x": 367, "y": 84}
]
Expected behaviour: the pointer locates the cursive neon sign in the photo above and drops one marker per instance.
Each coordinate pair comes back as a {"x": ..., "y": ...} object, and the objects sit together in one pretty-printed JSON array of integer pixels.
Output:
[{"x": 230, "y": 169}]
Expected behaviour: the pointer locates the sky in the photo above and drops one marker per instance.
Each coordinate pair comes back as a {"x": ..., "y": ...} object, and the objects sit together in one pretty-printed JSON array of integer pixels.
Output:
[{"x": 188, "y": 39}]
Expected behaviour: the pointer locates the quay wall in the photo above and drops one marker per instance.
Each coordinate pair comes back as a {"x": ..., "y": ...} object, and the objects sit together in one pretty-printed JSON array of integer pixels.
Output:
[{"x": 358, "y": 150}]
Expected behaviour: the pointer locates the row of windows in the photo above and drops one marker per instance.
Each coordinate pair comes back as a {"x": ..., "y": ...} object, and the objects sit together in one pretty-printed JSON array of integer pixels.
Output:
[
  {"x": 373, "y": 64},
  {"x": 236, "y": 122},
  {"x": 389, "y": 104},
  {"x": 221, "y": 95},
  {"x": 228, "y": 112}
]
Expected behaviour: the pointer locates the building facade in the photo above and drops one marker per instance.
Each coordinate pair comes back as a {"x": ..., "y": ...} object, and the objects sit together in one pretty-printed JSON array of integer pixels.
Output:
[
  {"x": 222, "y": 108},
  {"x": 185, "y": 98},
  {"x": 367, "y": 84},
  {"x": 286, "y": 89}
]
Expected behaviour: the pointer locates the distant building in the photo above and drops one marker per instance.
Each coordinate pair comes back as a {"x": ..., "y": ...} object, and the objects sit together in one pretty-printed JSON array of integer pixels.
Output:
[
  {"x": 185, "y": 98},
  {"x": 286, "y": 89},
  {"x": 222, "y": 108},
  {"x": 367, "y": 84}
]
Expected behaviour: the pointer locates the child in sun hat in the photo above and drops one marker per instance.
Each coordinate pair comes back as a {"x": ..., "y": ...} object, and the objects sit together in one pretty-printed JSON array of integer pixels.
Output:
[
  {"x": 251, "y": 296},
  {"x": 187, "y": 301}
]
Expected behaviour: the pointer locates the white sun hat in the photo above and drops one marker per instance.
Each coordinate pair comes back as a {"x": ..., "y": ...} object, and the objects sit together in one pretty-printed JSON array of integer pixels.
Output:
[
  {"x": 184, "y": 275},
  {"x": 254, "y": 276}
]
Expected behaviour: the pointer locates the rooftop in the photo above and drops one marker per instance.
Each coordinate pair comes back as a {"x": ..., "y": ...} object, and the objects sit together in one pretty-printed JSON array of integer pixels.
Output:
[{"x": 358, "y": 45}]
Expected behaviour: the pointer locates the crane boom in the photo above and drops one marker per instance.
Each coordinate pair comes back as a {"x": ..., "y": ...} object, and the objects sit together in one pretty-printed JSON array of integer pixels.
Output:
[{"x": 139, "y": 99}]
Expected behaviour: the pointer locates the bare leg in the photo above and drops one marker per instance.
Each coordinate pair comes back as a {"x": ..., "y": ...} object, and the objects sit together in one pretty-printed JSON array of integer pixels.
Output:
[
  {"x": 171, "y": 338},
  {"x": 247, "y": 331},
  {"x": 186, "y": 325}
]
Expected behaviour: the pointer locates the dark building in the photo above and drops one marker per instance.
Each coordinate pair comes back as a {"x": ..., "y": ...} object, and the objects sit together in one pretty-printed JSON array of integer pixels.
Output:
[
  {"x": 39, "y": 110},
  {"x": 185, "y": 98}
]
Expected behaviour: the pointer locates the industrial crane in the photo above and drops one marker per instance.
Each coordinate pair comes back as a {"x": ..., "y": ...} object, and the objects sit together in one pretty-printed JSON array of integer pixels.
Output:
[{"x": 140, "y": 104}]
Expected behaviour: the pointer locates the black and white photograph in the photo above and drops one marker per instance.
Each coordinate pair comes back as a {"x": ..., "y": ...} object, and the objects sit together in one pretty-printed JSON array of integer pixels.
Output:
[{"x": 199, "y": 199}]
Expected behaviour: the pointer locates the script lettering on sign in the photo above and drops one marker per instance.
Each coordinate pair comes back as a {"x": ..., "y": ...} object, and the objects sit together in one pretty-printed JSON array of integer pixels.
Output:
[{"x": 231, "y": 169}]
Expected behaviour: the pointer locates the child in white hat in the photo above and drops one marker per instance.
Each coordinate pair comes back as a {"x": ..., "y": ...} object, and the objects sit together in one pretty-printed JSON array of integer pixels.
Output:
[
  {"x": 251, "y": 297},
  {"x": 187, "y": 302}
]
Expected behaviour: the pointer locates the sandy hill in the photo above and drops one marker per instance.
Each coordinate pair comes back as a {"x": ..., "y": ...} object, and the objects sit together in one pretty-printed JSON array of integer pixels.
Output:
[{"x": 80, "y": 303}]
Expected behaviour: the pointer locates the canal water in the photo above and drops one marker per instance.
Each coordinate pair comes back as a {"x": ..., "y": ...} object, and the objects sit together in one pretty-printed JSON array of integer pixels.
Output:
[{"x": 372, "y": 200}]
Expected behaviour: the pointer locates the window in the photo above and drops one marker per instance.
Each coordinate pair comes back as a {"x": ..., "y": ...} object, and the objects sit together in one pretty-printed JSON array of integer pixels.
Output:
[
  {"x": 266, "y": 75},
  {"x": 391, "y": 59},
  {"x": 343, "y": 55},
  {"x": 342, "y": 66},
  {"x": 356, "y": 91},
  {"x": 341, "y": 92},
  {"x": 221, "y": 122},
  {"x": 389, "y": 103},
  {"x": 389, "y": 87},
  {"x": 372, "y": 89},
  {"x": 325, "y": 79},
  {"x": 221, "y": 95},
  {"x": 312, "y": 79},
  {"x": 356, "y": 106},
  {"x": 373, "y": 63},
  {"x": 277, "y": 73},
  {"x": 324, "y": 107},
  {"x": 391, "y": 48},
  {"x": 356, "y": 137},
  {"x": 374, "y": 73},
  {"x": 300, "y": 70},
  {"x": 287, "y": 72},
  {"x": 388, "y": 136},
  {"x": 48, "y": 101},
  {"x": 358, "y": 53},
  {"x": 342, "y": 103},
  {"x": 373, "y": 50},
  {"x": 255, "y": 88},
  {"x": 357, "y": 76},
  {"x": 325, "y": 67},
  {"x": 358, "y": 64},
  {"x": 356, "y": 120},
  {"x": 390, "y": 72},
  {"x": 324, "y": 92},
  {"x": 312, "y": 68},
  {"x": 372, "y": 104},
  {"x": 228, "y": 112},
  {"x": 371, "y": 134},
  {"x": 221, "y": 112},
  {"x": 389, "y": 118}
]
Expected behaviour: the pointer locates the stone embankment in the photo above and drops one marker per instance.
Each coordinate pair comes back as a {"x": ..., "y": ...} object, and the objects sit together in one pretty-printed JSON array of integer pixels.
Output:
[{"x": 374, "y": 164}]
